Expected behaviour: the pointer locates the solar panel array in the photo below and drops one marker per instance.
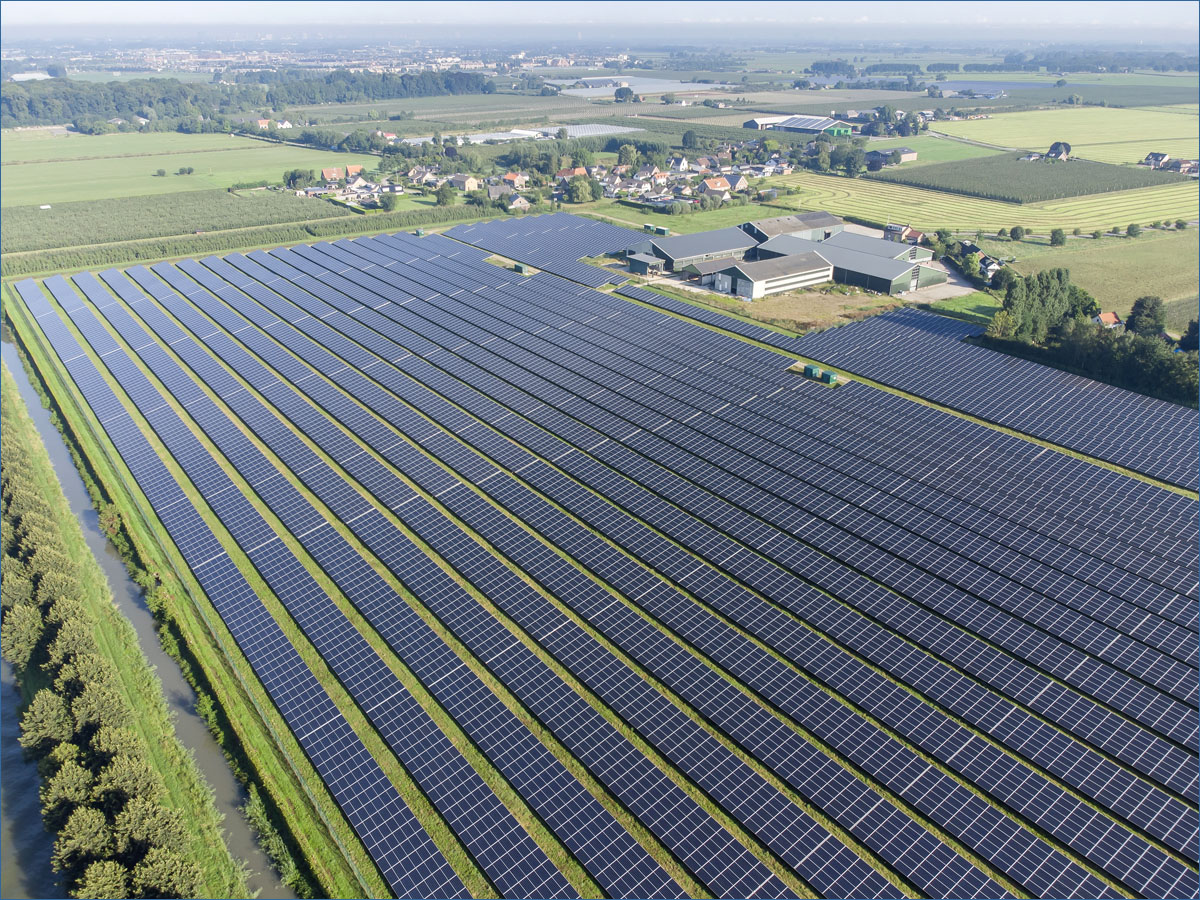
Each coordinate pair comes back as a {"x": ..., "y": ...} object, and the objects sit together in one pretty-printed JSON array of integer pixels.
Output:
[
  {"x": 709, "y": 317},
  {"x": 778, "y": 625},
  {"x": 554, "y": 243},
  {"x": 913, "y": 351}
]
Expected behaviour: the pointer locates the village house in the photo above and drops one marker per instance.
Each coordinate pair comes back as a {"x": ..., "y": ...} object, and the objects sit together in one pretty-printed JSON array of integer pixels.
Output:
[
  {"x": 517, "y": 202},
  {"x": 1108, "y": 320},
  {"x": 331, "y": 174},
  {"x": 464, "y": 182},
  {"x": 1156, "y": 160},
  {"x": 516, "y": 180}
]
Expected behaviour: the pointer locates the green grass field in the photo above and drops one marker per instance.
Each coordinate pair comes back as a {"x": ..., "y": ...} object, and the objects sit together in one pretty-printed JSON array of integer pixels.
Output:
[
  {"x": 685, "y": 224},
  {"x": 1116, "y": 271},
  {"x": 133, "y": 218},
  {"x": 1104, "y": 135},
  {"x": 932, "y": 149},
  {"x": 879, "y": 201},
  {"x": 219, "y": 161}
]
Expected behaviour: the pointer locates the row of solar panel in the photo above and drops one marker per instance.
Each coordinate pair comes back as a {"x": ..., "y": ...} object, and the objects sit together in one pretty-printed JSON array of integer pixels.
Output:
[
  {"x": 407, "y": 857},
  {"x": 717, "y": 860},
  {"x": 391, "y": 415},
  {"x": 819, "y": 772},
  {"x": 554, "y": 243},
  {"x": 1141, "y": 433},
  {"x": 1151, "y": 534}
]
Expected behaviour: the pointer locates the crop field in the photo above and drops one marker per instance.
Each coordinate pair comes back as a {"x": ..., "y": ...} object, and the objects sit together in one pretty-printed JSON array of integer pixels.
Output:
[
  {"x": 38, "y": 145},
  {"x": 930, "y": 149},
  {"x": 1005, "y": 177},
  {"x": 879, "y": 201},
  {"x": 1105, "y": 135},
  {"x": 534, "y": 563},
  {"x": 131, "y": 218},
  {"x": 132, "y": 174},
  {"x": 1116, "y": 271}
]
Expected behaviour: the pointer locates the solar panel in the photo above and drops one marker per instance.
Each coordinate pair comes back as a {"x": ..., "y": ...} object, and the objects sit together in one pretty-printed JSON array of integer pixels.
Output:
[
  {"x": 363, "y": 305},
  {"x": 407, "y": 857},
  {"x": 900, "y": 348},
  {"x": 877, "y": 603}
]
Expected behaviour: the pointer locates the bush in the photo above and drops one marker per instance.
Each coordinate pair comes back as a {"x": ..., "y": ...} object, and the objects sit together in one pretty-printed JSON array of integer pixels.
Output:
[
  {"x": 1058, "y": 237},
  {"x": 1133, "y": 230},
  {"x": 1017, "y": 232},
  {"x": 1181, "y": 224}
]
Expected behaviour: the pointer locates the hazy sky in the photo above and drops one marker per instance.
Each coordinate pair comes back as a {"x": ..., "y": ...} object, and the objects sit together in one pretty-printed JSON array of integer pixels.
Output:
[{"x": 1037, "y": 20}]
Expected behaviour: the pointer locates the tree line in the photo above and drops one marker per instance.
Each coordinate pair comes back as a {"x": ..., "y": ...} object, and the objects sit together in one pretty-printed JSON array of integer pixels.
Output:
[
  {"x": 1048, "y": 319},
  {"x": 99, "y": 796},
  {"x": 168, "y": 102}
]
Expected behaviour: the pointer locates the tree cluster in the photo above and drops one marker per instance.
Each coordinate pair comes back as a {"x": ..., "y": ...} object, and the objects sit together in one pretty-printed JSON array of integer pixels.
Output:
[
  {"x": 169, "y": 103},
  {"x": 98, "y": 794},
  {"x": 1049, "y": 319}
]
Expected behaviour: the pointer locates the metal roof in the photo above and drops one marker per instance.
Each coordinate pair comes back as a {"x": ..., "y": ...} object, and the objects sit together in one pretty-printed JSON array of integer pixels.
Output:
[
  {"x": 800, "y": 222},
  {"x": 866, "y": 244},
  {"x": 780, "y": 266},
  {"x": 866, "y": 263},
  {"x": 684, "y": 246}
]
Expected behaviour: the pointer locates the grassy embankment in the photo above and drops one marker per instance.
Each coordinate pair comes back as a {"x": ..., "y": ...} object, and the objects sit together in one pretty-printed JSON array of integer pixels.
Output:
[
  {"x": 300, "y": 824},
  {"x": 186, "y": 790}
]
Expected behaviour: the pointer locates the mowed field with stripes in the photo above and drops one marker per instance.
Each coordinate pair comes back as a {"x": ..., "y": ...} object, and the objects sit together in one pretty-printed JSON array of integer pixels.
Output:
[{"x": 563, "y": 595}]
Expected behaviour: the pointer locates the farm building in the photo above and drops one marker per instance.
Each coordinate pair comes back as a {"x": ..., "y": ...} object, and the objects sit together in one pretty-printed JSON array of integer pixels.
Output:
[
  {"x": 644, "y": 264},
  {"x": 800, "y": 124},
  {"x": 886, "y": 267},
  {"x": 859, "y": 243},
  {"x": 813, "y": 226},
  {"x": 906, "y": 234},
  {"x": 751, "y": 280},
  {"x": 890, "y": 157},
  {"x": 681, "y": 250}
]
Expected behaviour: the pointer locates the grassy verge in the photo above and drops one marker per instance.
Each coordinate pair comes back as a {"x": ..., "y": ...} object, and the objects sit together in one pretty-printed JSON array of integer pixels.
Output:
[
  {"x": 186, "y": 790},
  {"x": 304, "y": 821}
]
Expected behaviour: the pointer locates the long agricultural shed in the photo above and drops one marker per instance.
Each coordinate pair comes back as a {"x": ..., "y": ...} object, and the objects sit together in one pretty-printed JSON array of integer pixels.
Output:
[{"x": 672, "y": 620}]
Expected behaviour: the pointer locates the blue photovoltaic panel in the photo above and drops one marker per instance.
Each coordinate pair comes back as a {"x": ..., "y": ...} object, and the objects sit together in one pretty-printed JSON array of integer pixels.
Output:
[
  {"x": 359, "y": 307},
  {"x": 554, "y": 243},
  {"x": 885, "y": 576},
  {"x": 909, "y": 350},
  {"x": 410, "y": 862}
]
